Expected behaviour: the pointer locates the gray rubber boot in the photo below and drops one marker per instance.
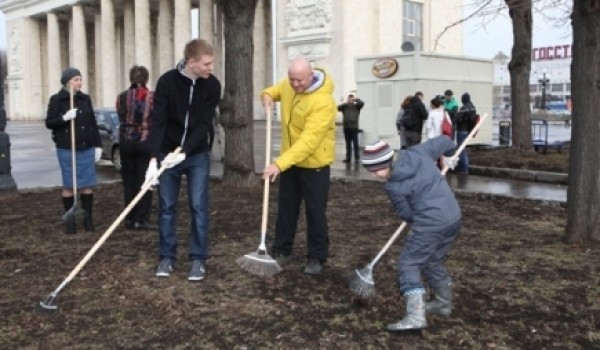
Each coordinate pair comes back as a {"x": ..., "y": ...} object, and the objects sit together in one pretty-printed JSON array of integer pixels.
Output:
[
  {"x": 415, "y": 314},
  {"x": 441, "y": 301}
]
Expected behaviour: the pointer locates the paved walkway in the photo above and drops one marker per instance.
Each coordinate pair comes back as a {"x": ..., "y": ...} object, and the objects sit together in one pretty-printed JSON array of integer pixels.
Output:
[{"x": 34, "y": 165}]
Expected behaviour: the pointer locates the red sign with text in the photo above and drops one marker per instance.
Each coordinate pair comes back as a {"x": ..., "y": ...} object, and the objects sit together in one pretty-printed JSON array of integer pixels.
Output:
[{"x": 555, "y": 52}]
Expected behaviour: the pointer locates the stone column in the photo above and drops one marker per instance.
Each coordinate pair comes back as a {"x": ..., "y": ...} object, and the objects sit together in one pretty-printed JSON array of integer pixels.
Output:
[
  {"x": 219, "y": 71},
  {"x": 79, "y": 44},
  {"x": 143, "y": 51},
  {"x": 206, "y": 26},
  {"x": 128, "y": 39},
  {"x": 54, "y": 65},
  {"x": 108, "y": 57},
  {"x": 165, "y": 36},
  {"x": 98, "y": 57},
  {"x": 182, "y": 30}
]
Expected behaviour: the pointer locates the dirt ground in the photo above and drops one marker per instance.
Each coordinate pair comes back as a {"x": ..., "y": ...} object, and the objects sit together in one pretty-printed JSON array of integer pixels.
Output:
[
  {"x": 517, "y": 285},
  {"x": 509, "y": 157}
]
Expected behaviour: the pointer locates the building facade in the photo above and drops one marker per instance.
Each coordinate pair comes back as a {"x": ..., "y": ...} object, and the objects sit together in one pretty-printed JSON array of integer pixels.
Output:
[
  {"x": 104, "y": 38},
  {"x": 549, "y": 81}
]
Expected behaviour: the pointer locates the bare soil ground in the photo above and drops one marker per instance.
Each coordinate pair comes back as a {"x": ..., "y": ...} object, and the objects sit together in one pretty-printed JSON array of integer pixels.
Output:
[
  {"x": 509, "y": 157},
  {"x": 517, "y": 285}
]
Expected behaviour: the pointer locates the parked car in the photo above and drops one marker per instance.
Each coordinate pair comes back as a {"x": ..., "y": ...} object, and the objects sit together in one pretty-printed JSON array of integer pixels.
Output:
[{"x": 108, "y": 125}]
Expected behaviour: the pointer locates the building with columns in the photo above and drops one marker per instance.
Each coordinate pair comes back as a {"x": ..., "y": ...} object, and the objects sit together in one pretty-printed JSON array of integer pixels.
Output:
[{"x": 104, "y": 38}]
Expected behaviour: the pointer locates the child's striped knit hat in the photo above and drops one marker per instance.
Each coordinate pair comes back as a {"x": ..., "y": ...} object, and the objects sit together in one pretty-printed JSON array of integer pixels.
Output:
[{"x": 377, "y": 156}]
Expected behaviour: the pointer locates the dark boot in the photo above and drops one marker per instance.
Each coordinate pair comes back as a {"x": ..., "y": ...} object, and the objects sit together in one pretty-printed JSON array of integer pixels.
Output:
[
  {"x": 87, "y": 202},
  {"x": 69, "y": 220},
  {"x": 415, "y": 313},
  {"x": 441, "y": 301}
]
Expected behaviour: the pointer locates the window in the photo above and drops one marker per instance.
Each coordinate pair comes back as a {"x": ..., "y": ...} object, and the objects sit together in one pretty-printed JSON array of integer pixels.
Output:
[
  {"x": 412, "y": 24},
  {"x": 533, "y": 87},
  {"x": 556, "y": 87}
]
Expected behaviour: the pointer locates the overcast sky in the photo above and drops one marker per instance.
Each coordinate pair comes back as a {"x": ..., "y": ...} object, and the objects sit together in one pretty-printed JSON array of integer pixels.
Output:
[
  {"x": 479, "y": 41},
  {"x": 485, "y": 38}
]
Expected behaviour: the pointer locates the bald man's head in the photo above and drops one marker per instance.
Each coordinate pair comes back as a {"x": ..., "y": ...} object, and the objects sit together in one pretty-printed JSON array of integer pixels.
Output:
[{"x": 300, "y": 74}]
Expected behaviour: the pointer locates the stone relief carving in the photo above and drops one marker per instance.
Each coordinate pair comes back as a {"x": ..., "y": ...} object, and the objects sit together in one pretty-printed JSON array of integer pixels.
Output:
[
  {"x": 307, "y": 14},
  {"x": 15, "y": 62},
  {"x": 309, "y": 51}
]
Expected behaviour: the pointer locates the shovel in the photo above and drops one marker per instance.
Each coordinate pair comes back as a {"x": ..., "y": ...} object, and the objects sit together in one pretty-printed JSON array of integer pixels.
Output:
[{"x": 70, "y": 215}]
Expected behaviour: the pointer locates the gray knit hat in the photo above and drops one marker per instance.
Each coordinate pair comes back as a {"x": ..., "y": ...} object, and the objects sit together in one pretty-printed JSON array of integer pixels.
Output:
[
  {"x": 69, "y": 74},
  {"x": 377, "y": 156}
]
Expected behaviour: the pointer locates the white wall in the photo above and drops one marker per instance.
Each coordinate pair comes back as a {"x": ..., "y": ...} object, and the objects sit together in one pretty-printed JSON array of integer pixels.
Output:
[{"x": 430, "y": 73}]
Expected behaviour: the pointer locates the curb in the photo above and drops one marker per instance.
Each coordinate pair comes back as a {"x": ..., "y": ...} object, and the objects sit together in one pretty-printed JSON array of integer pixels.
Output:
[{"x": 524, "y": 175}]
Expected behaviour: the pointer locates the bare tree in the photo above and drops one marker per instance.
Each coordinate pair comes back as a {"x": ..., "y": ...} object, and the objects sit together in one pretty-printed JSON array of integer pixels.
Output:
[
  {"x": 583, "y": 196},
  {"x": 519, "y": 68},
  {"x": 236, "y": 107}
]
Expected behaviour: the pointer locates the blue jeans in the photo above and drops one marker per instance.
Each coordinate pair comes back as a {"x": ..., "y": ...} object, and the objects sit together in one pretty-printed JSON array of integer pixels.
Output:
[
  {"x": 197, "y": 170},
  {"x": 463, "y": 158}
]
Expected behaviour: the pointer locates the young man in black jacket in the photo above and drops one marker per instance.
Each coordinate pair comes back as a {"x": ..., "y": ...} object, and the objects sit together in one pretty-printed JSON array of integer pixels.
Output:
[{"x": 184, "y": 102}]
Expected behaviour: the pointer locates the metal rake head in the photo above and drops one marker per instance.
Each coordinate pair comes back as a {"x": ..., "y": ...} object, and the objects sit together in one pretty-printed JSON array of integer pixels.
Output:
[
  {"x": 361, "y": 283},
  {"x": 47, "y": 304},
  {"x": 259, "y": 263}
]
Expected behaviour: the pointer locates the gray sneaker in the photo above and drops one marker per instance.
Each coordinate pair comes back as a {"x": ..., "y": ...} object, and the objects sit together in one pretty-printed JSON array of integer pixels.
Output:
[
  {"x": 313, "y": 266},
  {"x": 197, "y": 271},
  {"x": 281, "y": 259},
  {"x": 165, "y": 267}
]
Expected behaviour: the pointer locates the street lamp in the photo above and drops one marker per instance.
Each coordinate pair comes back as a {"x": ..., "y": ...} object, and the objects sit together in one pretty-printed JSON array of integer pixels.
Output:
[{"x": 544, "y": 81}]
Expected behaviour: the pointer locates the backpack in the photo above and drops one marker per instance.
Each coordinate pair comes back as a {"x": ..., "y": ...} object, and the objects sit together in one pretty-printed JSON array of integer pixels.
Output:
[
  {"x": 474, "y": 121},
  {"x": 409, "y": 120}
]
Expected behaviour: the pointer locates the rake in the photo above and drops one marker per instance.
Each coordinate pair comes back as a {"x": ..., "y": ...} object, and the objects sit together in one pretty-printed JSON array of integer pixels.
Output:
[
  {"x": 48, "y": 303},
  {"x": 361, "y": 282},
  {"x": 260, "y": 262}
]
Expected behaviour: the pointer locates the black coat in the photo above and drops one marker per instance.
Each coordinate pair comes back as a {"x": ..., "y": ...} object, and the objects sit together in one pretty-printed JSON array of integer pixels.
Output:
[
  {"x": 171, "y": 106},
  {"x": 86, "y": 129},
  {"x": 414, "y": 115}
]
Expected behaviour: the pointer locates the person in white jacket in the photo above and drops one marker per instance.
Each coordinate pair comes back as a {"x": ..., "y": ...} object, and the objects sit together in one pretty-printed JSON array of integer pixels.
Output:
[{"x": 433, "y": 124}]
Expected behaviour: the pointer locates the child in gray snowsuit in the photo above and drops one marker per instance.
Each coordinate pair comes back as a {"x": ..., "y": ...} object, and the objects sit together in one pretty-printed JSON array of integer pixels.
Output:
[{"x": 421, "y": 197}]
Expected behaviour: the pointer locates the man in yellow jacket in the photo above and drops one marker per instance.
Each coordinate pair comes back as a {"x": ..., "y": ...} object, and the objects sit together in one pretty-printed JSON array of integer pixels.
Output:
[{"x": 307, "y": 150}]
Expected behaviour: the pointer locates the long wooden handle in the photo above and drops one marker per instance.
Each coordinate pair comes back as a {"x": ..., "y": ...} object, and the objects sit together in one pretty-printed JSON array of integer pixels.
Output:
[
  {"x": 265, "y": 209},
  {"x": 73, "y": 164},
  {"x": 466, "y": 142},
  {"x": 112, "y": 227},
  {"x": 399, "y": 230}
]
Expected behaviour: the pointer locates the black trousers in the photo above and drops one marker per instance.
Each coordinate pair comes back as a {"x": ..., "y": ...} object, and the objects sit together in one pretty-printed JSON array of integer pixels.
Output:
[
  {"x": 134, "y": 163},
  {"x": 312, "y": 185},
  {"x": 351, "y": 137}
]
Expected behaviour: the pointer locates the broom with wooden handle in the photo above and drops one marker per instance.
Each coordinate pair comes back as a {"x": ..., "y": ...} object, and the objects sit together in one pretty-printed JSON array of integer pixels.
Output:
[
  {"x": 361, "y": 281},
  {"x": 260, "y": 262}
]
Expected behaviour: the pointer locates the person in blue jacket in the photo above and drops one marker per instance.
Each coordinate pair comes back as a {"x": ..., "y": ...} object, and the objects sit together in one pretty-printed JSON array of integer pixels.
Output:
[{"x": 421, "y": 197}]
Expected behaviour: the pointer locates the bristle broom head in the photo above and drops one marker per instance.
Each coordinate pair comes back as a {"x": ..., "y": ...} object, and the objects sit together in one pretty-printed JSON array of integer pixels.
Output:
[
  {"x": 259, "y": 264},
  {"x": 361, "y": 283}
]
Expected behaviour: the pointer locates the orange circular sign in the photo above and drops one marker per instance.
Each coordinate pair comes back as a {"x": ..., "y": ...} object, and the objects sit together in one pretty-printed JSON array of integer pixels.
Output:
[{"x": 385, "y": 67}]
